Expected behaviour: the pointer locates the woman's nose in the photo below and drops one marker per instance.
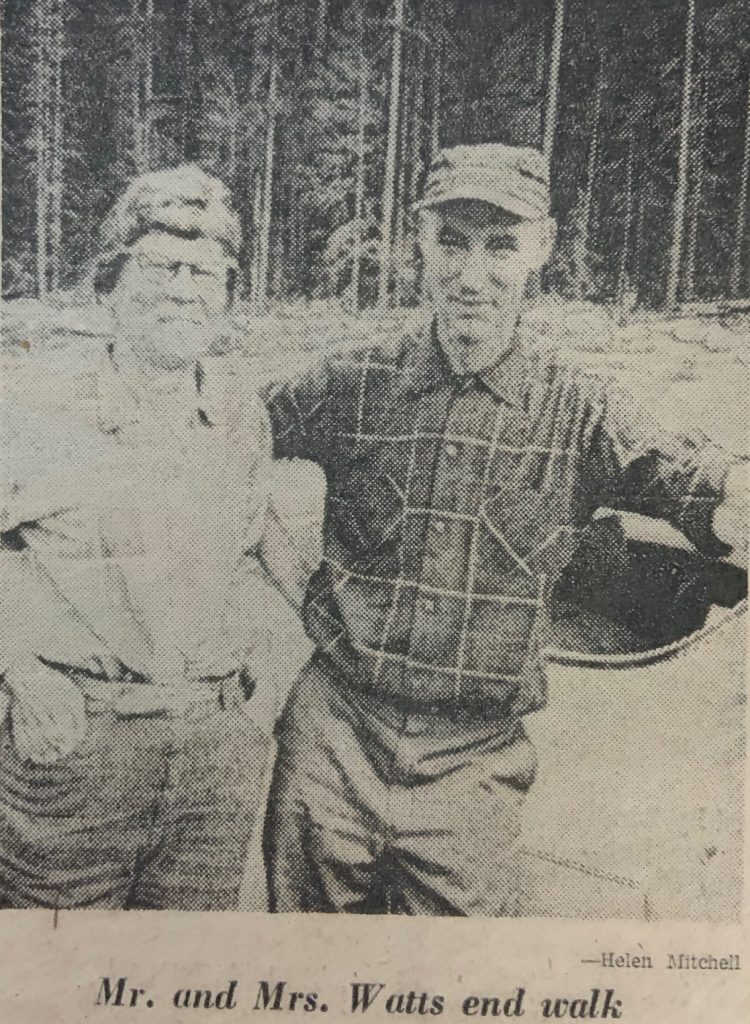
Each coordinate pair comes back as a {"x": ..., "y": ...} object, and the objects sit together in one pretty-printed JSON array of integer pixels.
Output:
[
  {"x": 181, "y": 282},
  {"x": 184, "y": 273}
]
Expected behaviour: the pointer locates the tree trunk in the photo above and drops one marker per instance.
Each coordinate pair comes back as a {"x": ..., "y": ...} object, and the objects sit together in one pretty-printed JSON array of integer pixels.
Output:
[
  {"x": 41, "y": 125},
  {"x": 148, "y": 83},
  {"x": 233, "y": 139},
  {"x": 553, "y": 86},
  {"x": 540, "y": 63},
  {"x": 57, "y": 49},
  {"x": 623, "y": 279},
  {"x": 642, "y": 244},
  {"x": 583, "y": 236},
  {"x": 593, "y": 158},
  {"x": 403, "y": 161},
  {"x": 359, "y": 181},
  {"x": 257, "y": 213},
  {"x": 675, "y": 259},
  {"x": 415, "y": 157},
  {"x": 265, "y": 223},
  {"x": 190, "y": 103},
  {"x": 142, "y": 34},
  {"x": 389, "y": 187},
  {"x": 293, "y": 233},
  {"x": 416, "y": 148},
  {"x": 640, "y": 217},
  {"x": 135, "y": 33},
  {"x": 697, "y": 192},
  {"x": 437, "y": 78},
  {"x": 321, "y": 29},
  {"x": 739, "y": 232},
  {"x": 534, "y": 285}
]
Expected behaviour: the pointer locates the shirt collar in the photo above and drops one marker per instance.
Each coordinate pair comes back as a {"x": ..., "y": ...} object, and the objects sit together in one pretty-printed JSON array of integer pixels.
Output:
[
  {"x": 428, "y": 367},
  {"x": 116, "y": 407},
  {"x": 120, "y": 407},
  {"x": 425, "y": 362},
  {"x": 508, "y": 379}
]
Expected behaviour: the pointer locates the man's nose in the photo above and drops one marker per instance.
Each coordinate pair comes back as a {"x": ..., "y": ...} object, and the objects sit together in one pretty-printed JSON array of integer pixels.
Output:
[{"x": 473, "y": 272}]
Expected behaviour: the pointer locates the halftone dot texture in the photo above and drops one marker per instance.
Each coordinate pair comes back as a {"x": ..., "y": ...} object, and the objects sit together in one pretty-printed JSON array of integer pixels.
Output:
[
  {"x": 401, "y": 780},
  {"x": 514, "y": 178},
  {"x": 183, "y": 200}
]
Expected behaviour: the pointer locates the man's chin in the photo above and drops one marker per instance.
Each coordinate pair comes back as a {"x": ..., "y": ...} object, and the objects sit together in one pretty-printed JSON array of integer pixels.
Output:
[
  {"x": 473, "y": 338},
  {"x": 476, "y": 349}
]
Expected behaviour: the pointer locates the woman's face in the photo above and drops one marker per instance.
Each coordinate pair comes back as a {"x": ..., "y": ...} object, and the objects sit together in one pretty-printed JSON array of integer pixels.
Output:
[{"x": 171, "y": 296}]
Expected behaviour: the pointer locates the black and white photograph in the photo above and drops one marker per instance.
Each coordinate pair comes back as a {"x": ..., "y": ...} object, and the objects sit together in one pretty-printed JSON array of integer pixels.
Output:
[{"x": 374, "y": 457}]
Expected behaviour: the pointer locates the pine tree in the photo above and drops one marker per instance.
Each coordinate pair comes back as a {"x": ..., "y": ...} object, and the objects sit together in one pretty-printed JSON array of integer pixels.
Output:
[
  {"x": 698, "y": 171},
  {"x": 129, "y": 85},
  {"x": 338, "y": 184},
  {"x": 42, "y": 146},
  {"x": 675, "y": 258},
  {"x": 742, "y": 204},
  {"x": 391, "y": 155},
  {"x": 553, "y": 86}
]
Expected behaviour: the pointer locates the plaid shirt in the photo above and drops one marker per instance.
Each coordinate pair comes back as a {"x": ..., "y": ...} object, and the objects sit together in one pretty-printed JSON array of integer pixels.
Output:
[{"x": 455, "y": 502}]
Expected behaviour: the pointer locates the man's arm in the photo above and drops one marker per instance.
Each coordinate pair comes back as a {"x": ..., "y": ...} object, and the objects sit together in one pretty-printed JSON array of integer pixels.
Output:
[
  {"x": 280, "y": 555},
  {"x": 282, "y": 560},
  {"x": 640, "y": 466},
  {"x": 299, "y": 411}
]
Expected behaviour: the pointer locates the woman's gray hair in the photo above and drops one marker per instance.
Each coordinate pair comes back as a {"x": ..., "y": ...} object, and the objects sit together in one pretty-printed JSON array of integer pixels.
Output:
[{"x": 182, "y": 201}]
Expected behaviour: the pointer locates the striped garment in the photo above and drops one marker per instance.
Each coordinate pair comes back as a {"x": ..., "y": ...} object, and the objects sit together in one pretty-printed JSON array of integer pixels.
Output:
[{"x": 455, "y": 502}]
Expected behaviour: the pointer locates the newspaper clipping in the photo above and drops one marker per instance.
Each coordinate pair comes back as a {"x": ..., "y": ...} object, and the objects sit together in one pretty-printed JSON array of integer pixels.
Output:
[{"x": 374, "y": 510}]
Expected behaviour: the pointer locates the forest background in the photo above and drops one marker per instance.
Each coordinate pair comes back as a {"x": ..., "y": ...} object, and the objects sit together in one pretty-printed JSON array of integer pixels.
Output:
[{"x": 322, "y": 116}]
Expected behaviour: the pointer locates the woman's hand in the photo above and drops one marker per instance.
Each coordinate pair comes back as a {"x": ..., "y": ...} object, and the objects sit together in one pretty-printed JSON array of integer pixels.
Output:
[{"x": 47, "y": 710}]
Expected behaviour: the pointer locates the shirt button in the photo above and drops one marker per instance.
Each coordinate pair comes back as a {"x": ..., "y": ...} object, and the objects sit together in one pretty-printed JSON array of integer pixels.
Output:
[
  {"x": 438, "y": 525},
  {"x": 451, "y": 450}
]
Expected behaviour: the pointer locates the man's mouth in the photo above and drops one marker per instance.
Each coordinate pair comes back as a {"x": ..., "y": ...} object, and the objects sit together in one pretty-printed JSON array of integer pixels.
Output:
[{"x": 471, "y": 307}]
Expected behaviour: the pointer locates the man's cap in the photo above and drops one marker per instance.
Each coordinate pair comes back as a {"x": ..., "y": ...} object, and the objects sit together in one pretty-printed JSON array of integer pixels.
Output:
[
  {"x": 513, "y": 178},
  {"x": 183, "y": 200}
]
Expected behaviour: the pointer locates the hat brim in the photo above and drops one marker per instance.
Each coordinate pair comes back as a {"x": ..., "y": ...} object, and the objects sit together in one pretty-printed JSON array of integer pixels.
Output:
[{"x": 503, "y": 200}]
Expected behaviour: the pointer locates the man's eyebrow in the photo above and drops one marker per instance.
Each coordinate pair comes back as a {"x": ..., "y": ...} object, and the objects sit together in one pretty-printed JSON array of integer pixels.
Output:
[
  {"x": 448, "y": 229},
  {"x": 196, "y": 201},
  {"x": 503, "y": 236}
]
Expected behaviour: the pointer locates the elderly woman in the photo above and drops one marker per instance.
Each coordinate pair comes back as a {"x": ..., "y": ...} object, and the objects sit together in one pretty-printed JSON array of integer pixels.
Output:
[{"x": 133, "y": 522}]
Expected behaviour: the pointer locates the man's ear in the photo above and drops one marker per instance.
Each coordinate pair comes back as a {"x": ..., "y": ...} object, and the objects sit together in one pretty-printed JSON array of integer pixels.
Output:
[
  {"x": 548, "y": 236},
  {"x": 540, "y": 242},
  {"x": 231, "y": 285}
]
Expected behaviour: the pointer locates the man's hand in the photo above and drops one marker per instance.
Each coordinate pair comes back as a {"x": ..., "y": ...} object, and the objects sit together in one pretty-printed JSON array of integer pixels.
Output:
[{"x": 731, "y": 517}]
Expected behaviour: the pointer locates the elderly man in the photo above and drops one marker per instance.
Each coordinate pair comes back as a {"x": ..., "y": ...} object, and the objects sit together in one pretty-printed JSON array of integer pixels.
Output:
[
  {"x": 460, "y": 471},
  {"x": 133, "y": 529}
]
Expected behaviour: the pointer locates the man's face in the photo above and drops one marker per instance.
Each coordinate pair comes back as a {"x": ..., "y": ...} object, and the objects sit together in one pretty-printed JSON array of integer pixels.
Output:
[
  {"x": 170, "y": 298},
  {"x": 477, "y": 261}
]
